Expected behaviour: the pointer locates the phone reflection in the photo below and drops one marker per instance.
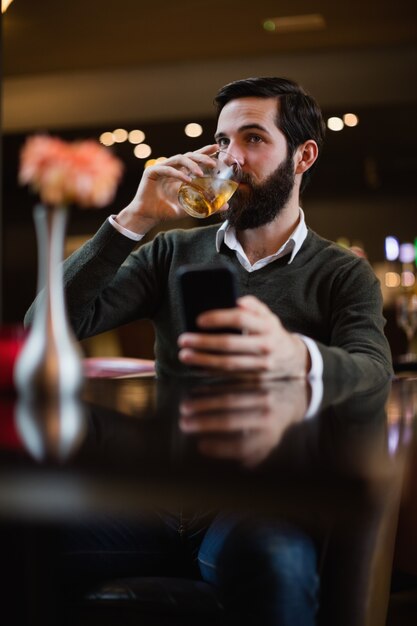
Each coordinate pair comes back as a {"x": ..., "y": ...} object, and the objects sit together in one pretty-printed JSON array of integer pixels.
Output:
[{"x": 243, "y": 422}]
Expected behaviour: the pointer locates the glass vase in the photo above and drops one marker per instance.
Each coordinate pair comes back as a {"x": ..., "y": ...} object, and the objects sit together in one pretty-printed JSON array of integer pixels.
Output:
[{"x": 50, "y": 363}]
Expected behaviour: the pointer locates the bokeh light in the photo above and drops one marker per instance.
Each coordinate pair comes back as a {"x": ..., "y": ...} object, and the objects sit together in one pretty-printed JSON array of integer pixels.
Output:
[
  {"x": 136, "y": 136},
  {"x": 392, "y": 279},
  {"x": 193, "y": 130},
  {"x": 142, "y": 151},
  {"x": 120, "y": 135},
  {"x": 392, "y": 248},
  {"x": 335, "y": 123},
  {"x": 407, "y": 253},
  {"x": 107, "y": 139},
  {"x": 350, "y": 119},
  {"x": 408, "y": 279}
]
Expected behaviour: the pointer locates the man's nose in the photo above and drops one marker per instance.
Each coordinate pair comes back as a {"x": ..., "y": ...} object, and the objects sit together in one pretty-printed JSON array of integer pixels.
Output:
[{"x": 236, "y": 153}]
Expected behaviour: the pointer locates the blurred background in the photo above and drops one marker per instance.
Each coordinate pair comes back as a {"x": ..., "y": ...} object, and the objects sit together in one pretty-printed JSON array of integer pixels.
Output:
[{"x": 88, "y": 68}]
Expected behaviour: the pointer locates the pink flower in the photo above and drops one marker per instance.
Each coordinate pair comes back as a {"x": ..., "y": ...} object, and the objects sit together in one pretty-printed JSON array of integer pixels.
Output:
[{"x": 83, "y": 172}]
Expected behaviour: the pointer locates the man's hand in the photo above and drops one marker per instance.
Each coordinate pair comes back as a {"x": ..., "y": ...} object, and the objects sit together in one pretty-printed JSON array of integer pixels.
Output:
[
  {"x": 264, "y": 347},
  {"x": 156, "y": 197}
]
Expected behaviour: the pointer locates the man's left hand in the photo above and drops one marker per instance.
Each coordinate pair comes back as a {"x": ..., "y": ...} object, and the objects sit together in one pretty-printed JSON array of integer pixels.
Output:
[{"x": 263, "y": 346}]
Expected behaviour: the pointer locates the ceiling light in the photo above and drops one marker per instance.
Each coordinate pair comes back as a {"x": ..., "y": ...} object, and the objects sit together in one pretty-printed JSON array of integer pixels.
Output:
[
  {"x": 350, "y": 119},
  {"x": 392, "y": 279},
  {"x": 406, "y": 253},
  {"x": 335, "y": 123},
  {"x": 136, "y": 136},
  {"x": 142, "y": 151},
  {"x": 107, "y": 139},
  {"x": 120, "y": 135},
  {"x": 392, "y": 248},
  {"x": 294, "y": 23},
  {"x": 407, "y": 278},
  {"x": 193, "y": 130}
]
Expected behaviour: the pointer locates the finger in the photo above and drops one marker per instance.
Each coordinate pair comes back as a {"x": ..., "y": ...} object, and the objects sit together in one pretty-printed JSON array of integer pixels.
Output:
[
  {"x": 220, "y": 423},
  {"x": 224, "y": 402},
  {"x": 226, "y": 343},
  {"x": 156, "y": 172},
  {"x": 221, "y": 318},
  {"x": 233, "y": 364},
  {"x": 203, "y": 155},
  {"x": 188, "y": 163},
  {"x": 196, "y": 159},
  {"x": 246, "y": 321},
  {"x": 209, "y": 149}
]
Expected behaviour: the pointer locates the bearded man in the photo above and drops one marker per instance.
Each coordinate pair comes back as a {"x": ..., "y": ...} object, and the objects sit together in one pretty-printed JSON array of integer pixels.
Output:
[{"x": 307, "y": 306}]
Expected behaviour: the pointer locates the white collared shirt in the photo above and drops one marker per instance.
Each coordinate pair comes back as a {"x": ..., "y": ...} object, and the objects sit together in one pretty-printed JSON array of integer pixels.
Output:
[{"x": 227, "y": 234}]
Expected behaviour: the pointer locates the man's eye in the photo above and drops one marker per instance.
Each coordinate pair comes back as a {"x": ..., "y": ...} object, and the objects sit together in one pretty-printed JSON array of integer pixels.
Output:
[
  {"x": 254, "y": 139},
  {"x": 222, "y": 141}
]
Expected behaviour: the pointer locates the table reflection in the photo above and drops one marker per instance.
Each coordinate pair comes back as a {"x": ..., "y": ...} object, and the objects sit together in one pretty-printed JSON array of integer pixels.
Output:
[
  {"x": 242, "y": 422},
  {"x": 122, "y": 426}
]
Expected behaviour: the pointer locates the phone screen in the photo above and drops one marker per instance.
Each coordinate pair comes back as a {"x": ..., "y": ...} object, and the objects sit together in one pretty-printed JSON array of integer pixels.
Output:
[{"x": 203, "y": 288}]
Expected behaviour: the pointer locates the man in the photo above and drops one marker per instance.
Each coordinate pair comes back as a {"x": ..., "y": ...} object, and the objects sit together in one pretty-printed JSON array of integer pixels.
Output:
[{"x": 307, "y": 306}]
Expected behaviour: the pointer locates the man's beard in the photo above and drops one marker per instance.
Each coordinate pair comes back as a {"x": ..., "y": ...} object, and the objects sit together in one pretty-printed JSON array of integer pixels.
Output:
[{"x": 259, "y": 204}]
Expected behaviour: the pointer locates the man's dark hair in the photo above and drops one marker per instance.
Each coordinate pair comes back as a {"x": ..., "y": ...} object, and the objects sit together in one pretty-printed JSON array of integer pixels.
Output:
[{"x": 299, "y": 117}]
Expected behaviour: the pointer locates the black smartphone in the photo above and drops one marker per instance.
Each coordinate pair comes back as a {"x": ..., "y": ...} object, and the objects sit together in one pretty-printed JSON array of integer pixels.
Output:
[{"x": 203, "y": 288}]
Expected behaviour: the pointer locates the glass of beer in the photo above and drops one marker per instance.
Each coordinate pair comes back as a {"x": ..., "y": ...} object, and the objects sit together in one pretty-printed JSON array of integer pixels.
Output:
[{"x": 205, "y": 195}]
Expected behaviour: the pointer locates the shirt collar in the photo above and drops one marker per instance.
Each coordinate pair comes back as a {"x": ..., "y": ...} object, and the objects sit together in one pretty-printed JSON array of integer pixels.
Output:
[{"x": 227, "y": 234}]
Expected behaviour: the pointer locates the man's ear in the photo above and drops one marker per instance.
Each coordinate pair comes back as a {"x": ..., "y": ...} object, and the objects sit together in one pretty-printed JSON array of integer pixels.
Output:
[{"x": 305, "y": 155}]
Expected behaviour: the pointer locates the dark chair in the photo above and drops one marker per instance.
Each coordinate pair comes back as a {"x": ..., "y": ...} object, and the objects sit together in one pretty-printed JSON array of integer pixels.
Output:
[
  {"x": 148, "y": 601},
  {"x": 354, "y": 570}
]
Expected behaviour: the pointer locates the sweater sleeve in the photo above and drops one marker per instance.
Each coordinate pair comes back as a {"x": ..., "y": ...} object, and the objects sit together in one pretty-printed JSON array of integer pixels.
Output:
[
  {"x": 358, "y": 348},
  {"x": 101, "y": 283}
]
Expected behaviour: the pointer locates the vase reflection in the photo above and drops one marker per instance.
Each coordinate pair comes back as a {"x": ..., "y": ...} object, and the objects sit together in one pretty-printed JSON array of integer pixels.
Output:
[{"x": 52, "y": 429}]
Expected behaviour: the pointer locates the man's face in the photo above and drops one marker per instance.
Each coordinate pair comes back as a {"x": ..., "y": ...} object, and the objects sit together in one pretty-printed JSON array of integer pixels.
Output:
[{"x": 247, "y": 128}]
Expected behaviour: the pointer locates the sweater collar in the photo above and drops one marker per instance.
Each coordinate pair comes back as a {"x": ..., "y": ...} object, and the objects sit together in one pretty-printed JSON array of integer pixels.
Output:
[{"x": 227, "y": 235}]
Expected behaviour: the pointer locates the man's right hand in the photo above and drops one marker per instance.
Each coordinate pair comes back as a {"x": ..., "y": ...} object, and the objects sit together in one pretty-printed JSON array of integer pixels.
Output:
[{"x": 157, "y": 196}]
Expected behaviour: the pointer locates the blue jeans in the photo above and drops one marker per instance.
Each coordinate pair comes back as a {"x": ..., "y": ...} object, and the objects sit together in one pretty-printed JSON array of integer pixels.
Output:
[{"x": 266, "y": 571}]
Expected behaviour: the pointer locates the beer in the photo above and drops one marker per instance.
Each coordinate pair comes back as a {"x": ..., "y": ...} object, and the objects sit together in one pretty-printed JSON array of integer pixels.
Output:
[{"x": 205, "y": 196}]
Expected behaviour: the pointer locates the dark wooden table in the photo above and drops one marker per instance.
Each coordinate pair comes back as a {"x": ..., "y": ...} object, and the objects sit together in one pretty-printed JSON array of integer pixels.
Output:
[{"x": 129, "y": 444}]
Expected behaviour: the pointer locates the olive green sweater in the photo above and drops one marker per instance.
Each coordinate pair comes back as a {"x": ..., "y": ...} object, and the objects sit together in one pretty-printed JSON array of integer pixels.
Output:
[{"x": 326, "y": 293}]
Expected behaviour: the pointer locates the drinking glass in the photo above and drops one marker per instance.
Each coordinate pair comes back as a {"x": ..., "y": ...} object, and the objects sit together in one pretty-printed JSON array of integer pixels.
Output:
[
  {"x": 406, "y": 310},
  {"x": 205, "y": 195}
]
